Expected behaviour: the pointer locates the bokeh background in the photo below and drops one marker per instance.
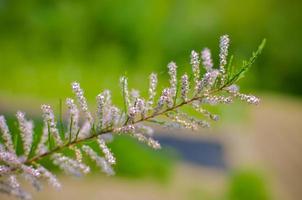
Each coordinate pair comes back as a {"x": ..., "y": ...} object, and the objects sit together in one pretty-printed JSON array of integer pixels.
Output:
[{"x": 252, "y": 153}]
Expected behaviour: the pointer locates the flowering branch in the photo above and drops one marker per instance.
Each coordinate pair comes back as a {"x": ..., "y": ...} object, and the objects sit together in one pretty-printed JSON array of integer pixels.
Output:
[{"x": 215, "y": 86}]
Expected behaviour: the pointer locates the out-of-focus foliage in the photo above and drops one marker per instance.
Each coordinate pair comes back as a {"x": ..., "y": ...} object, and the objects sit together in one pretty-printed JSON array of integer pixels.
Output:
[
  {"x": 44, "y": 45},
  {"x": 243, "y": 184},
  {"x": 248, "y": 185},
  {"x": 139, "y": 161}
]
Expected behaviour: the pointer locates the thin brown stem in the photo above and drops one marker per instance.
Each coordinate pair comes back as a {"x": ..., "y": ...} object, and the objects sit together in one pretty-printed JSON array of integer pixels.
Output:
[{"x": 75, "y": 142}]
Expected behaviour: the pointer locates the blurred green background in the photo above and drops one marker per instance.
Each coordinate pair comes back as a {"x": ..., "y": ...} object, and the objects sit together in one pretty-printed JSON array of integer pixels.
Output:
[{"x": 45, "y": 45}]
